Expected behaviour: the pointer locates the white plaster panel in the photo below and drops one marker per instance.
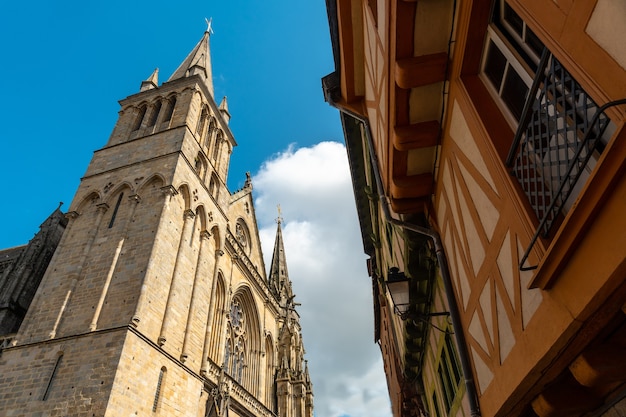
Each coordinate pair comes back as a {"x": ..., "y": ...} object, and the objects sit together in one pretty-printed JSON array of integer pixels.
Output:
[
  {"x": 477, "y": 333},
  {"x": 505, "y": 331},
  {"x": 441, "y": 209},
  {"x": 460, "y": 133},
  {"x": 465, "y": 286},
  {"x": 430, "y": 38},
  {"x": 505, "y": 265},
  {"x": 425, "y": 103},
  {"x": 606, "y": 27},
  {"x": 449, "y": 189},
  {"x": 485, "y": 305},
  {"x": 531, "y": 298},
  {"x": 488, "y": 213},
  {"x": 483, "y": 373},
  {"x": 420, "y": 161},
  {"x": 476, "y": 249}
]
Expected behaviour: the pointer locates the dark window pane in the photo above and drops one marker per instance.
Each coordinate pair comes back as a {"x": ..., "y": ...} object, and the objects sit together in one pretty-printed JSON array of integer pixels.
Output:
[
  {"x": 495, "y": 65},
  {"x": 436, "y": 404},
  {"x": 453, "y": 360},
  {"x": 514, "y": 93},
  {"x": 513, "y": 19},
  {"x": 533, "y": 42}
]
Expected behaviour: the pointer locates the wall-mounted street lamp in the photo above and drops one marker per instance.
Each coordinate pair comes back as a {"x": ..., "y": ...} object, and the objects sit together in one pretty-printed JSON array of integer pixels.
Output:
[{"x": 398, "y": 287}]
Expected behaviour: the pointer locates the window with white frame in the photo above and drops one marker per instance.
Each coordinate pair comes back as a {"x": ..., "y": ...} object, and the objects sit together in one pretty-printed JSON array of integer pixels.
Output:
[{"x": 510, "y": 59}]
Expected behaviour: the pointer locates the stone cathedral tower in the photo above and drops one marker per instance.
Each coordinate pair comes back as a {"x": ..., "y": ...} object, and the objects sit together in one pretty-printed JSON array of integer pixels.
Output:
[{"x": 156, "y": 301}]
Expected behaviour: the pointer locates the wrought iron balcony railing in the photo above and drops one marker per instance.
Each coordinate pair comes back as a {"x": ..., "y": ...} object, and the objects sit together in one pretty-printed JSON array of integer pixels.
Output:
[{"x": 559, "y": 131}]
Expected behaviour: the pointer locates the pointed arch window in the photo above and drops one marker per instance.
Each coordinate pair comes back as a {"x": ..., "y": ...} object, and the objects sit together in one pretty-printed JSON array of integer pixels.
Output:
[
  {"x": 159, "y": 389},
  {"x": 202, "y": 122},
  {"x": 117, "y": 207},
  {"x": 242, "y": 234},
  {"x": 270, "y": 385},
  {"x": 46, "y": 393},
  {"x": 218, "y": 144},
  {"x": 213, "y": 186},
  {"x": 170, "y": 109},
  {"x": 218, "y": 316},
  {"x": 200, "y": 165},
  {"x": 235, "y": 350},
  {"x": 209, "y": 134},
  {"x": 140, "y": 115},
  {"x": 155, "y": 114}
]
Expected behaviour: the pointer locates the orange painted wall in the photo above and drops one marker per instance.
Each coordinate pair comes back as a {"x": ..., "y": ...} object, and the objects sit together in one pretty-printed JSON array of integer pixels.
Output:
[{"x": 583, "y": 269}]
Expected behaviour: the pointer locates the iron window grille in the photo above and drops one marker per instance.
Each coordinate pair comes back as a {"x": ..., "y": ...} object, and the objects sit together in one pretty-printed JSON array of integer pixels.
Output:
[{"x": 551, "y": 156}]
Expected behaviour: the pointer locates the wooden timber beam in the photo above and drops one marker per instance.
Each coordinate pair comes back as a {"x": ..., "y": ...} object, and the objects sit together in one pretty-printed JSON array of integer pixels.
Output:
[
  {"x": 411, "y": 186},
  {"x": 415, "y": 136},
  {"x": 421, "y": 70}
]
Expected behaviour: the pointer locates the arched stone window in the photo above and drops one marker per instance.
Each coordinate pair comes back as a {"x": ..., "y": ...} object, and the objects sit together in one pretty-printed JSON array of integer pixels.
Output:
[
  {"x": 270, "y": 383},
  {"x": 214, "y": 186},
  {"x": 209, "y": 134},
  {"x": 115, "y": 210},
  {"x": 235, "y": 349},
  {"x": 140, "y": 115},
  {"x": 155, "y": 114},
  {"x": 242, "y": 233},
  {"x": 217, "y": 319},
  {"x": 170, "y": 109},
  {"x": 202, "y": 122},
  {"x": 244, "y": 341},
  {"x": 200, "y": 165},
  {"x": 218, "y": 143},
  {"x": 159, "y": 388},
  {"x": 46, "y": 393}
]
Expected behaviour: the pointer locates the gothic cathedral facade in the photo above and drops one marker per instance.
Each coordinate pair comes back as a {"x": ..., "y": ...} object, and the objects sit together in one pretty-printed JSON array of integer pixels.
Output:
[{"x": 156, "y": 301}]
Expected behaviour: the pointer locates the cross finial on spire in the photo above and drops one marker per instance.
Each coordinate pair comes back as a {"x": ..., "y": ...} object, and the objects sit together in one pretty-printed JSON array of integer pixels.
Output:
[
  {"x": 208, "y": 24},
  {"x": 279, "y": 219}
]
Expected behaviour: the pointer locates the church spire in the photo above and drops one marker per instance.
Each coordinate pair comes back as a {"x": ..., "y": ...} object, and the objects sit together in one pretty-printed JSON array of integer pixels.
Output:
[
  {"x": 224, "y": 109},
  {"x": 198, "y": 61},
  {"x": 279, "y": 277}
]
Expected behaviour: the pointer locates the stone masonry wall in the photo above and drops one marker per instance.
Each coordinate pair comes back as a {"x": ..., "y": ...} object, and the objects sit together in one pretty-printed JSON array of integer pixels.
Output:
[{"x": 81, "y": 383}]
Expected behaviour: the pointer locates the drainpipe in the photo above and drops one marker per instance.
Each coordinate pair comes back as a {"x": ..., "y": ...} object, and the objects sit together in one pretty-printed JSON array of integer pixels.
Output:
[{"x": 455, "y": 317}]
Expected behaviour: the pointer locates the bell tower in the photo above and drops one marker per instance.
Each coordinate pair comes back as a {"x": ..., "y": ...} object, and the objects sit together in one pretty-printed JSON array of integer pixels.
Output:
[
  {"x": 156, "y": 301},
  {"x": 131, "y": 316}
]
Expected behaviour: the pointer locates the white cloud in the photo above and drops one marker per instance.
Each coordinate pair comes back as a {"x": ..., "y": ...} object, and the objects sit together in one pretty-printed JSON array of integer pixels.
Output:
[{"x": 326, "y": 264}]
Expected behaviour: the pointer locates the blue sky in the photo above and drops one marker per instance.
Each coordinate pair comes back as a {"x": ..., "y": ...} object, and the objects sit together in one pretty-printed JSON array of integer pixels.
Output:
[{"x": 66, "y": 64}]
